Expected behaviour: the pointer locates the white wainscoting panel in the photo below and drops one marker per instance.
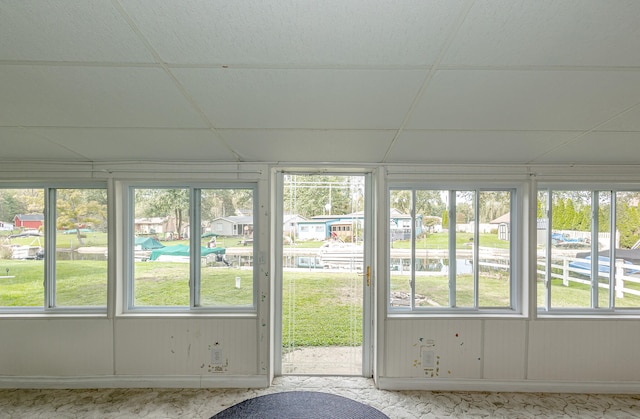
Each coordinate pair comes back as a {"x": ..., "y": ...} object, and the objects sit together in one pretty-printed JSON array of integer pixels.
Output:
[
  {"x": 56, "y": 347},
  {"x": 454, "y": 346},
  {"x": 186, "y": 346},
  {"x": 584, "y": 350}
]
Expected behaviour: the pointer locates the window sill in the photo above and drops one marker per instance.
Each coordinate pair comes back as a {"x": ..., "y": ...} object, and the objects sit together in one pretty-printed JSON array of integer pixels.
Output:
[{"x": 456, "y": 316}]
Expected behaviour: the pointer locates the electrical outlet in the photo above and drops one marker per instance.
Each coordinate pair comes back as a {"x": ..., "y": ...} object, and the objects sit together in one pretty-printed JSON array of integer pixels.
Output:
[
  {"x": 428, "y": 359},
  {"x": 217, "y": 357}
]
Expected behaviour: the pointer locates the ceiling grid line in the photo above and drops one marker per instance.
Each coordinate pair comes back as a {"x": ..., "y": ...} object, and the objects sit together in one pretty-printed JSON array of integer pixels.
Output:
[
  {"x": 430, "y": 73},
  {"x": 175, "y": 80}
]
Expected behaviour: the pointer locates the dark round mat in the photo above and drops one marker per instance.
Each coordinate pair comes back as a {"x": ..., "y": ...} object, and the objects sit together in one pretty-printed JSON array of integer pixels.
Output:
[{"x": 301, "y": 405}]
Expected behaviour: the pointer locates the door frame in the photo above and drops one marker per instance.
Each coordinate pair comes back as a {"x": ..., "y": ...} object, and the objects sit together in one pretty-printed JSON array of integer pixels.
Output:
[{"x": 368, "y": 289}]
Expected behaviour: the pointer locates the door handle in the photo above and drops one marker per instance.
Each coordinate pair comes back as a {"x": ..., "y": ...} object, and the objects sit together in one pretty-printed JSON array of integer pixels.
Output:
[{"x": 368, "y": 276}]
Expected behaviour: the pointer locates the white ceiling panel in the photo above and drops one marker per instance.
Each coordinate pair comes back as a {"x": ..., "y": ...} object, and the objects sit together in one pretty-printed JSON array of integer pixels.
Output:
[
  {"x": 472, "y": 147},
  {"x": 524, "y": 100},
  {"x": 293, "y": 32},
  {"x": 88, "y": 30},
  {"x": 310, "y": 145},
  {"x": 598, "y": 148},
  {"x": 92, "y": 96},
  {"x": 459, "y": 81},
  {"x": 140, "y": 144},
  {"x": 20, "y": 144},
  {"x": 315, "y": 99},
  {"x": 548, "y": 33},
  {"x": 627, "y": 121}
]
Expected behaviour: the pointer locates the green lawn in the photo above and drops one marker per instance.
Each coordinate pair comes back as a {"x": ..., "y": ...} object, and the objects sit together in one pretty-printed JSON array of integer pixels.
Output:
[
  {"x": 441, "y": 241},
  {"x": 322, "y": 309},
  {"x": 318, "y": 308}
]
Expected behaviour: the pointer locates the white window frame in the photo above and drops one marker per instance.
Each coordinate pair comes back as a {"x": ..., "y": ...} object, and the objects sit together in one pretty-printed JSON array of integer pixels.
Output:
[
  {"x": 593, "y": 311},
  {"x": 518, "y": 223},
  {"x": 50, "y": 219},
  {"x": 194, "y": 189}
]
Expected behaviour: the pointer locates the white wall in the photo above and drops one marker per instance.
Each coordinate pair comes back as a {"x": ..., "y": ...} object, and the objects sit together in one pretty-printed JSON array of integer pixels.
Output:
[{"x": 516, "y": 354}]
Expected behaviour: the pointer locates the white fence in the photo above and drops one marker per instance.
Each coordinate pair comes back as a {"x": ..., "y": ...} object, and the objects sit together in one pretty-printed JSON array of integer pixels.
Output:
[{"x": 561, "y": 269}]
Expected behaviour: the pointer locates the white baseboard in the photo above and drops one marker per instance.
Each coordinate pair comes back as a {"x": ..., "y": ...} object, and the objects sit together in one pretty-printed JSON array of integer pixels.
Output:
[
  {"x": 511, "y": 386},
  {"x": 134, "y": 381}
]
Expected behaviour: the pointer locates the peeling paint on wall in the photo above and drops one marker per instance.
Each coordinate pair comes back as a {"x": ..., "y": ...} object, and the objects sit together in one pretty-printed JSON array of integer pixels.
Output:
[{"x": 428, "y": 360}]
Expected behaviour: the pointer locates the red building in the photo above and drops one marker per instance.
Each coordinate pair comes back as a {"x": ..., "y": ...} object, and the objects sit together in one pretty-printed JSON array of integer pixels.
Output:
[{"x": 34, "y": 221}]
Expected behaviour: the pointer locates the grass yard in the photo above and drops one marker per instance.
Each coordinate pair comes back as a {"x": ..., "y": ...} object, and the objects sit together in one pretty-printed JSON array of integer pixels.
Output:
[
  {"x": 441, "y": 241},
  {"x": 322, "y": 309},
  {"x": 78, "y": 283}
]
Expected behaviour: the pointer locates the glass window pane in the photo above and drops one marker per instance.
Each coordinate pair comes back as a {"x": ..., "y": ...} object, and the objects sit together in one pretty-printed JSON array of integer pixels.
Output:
[
  {"x": 603, "y": 247},
  {"x": 494, "y": 266},
  {"x": 571, "y": 249},
  {"x": 226, "y": 269},
  {"x": 400, "y": 248},
  {"x": 161, "y": 250},
  {"x": 22, "y": 247},
  {"x": 627, "y": 263},
  {"x": 541, "y": 256},
  {"x": 432, "y": 249},
  {"x": 465, "y": 240},
  {"x": 81, "y": 247}
]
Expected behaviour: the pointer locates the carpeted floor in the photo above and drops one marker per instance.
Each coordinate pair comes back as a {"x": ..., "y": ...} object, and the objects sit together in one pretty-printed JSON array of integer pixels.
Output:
[{"x": 301, "y": 404}]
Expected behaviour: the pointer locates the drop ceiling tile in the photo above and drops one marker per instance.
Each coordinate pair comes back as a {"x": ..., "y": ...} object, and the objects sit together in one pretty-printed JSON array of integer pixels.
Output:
[
  {"x": 20, "y": 144},
  {"x": 524, "y": 100},
  {"x": 315, "y": 99},
  {"x": 627, "y": 121},
  {"x": 310, "y": 145},
  {"x": 443, "y": 147},
  {"x": 140, "y": 144},
  {"x": 88, "y": 30},
  {"x": 598, "y": 148},
  {"x": 92, "y": 96},
  {"x": 292, "y": 32},
  {"x": 548, "y": 33}
]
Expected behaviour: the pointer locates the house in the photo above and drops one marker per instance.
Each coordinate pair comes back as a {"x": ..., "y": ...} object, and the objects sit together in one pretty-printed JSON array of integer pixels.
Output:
[
  {"x": 400, "y": 225},
  {"x": 527, "y": 97},
  {"x": 28, "y": 221},
  {"x": 504, "y": 226},
  {"x": 290, "y": 223},
  {"x": 312, "y": 230},
  {"x": 154, "y": 225},
  {"x": 4, "y": 226},
  {"x": 233, "y": 225}
]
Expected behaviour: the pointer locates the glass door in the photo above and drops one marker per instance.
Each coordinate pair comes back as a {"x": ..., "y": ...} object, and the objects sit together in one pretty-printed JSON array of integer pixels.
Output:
[{"x": 324, "y": 284}]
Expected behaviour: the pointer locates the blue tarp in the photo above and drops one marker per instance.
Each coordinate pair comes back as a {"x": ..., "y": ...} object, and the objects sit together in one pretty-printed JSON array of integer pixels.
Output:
[
  {"x": 183, "y": 250},
  {"x": 148, "y": 243},
  {"x": 603, "y": 265}
]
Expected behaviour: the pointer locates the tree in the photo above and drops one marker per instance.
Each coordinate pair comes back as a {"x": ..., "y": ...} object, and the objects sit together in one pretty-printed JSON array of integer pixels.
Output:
[
  {"x": 311, "y": 195},
  {"x": 10, "y": 205},
  {"x": 164, "y": 203},
  {"x": 445, "y": 219},
  {"x": 224, "y": 202},
  {"x": 76, "y": 210}
]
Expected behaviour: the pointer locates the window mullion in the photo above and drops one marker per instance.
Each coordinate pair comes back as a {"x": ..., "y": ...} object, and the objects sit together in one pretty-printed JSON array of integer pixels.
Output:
[
  {"x": 195, "y": 243},
  {"x": 50, "y": 248},
  {"x": 476, "y": 248},
  {"x": 452, "y": 248},
  {"x": 612, "y": 252},
  {"x": 412, "y": 268},
  {"x": 595, "y": 260}
]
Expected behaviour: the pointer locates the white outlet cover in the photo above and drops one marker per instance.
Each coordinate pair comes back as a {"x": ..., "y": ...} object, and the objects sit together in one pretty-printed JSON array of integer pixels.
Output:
[
  {"x": 428, "y": 359},
  {"x": 217, "y": 357}
]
